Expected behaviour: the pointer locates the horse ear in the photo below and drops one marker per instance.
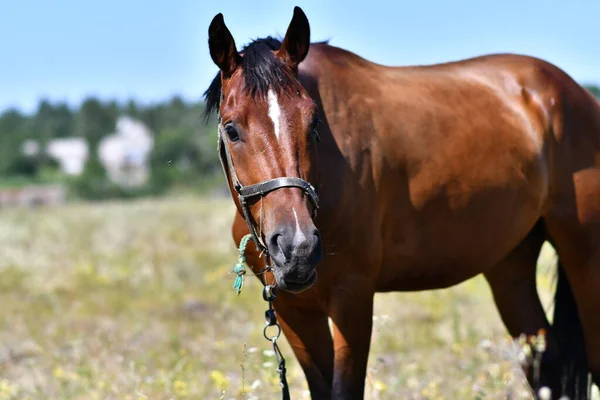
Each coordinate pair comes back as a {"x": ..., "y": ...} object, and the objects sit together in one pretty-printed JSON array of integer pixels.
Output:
[
  {"x": 222, "y": 46},
  {"x": 297, "y": 39}
]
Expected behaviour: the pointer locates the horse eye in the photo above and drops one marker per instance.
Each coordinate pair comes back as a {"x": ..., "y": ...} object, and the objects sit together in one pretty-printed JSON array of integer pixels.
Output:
[{"x": 232, "y": 133}]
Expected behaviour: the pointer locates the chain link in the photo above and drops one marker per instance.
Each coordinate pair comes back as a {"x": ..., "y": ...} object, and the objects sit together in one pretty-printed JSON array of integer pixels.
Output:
[{"x": 269, "y": 294}]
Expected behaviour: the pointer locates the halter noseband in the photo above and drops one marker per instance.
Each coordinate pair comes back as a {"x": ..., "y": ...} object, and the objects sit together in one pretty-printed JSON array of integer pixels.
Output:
[{"x": 258, "y": 189}]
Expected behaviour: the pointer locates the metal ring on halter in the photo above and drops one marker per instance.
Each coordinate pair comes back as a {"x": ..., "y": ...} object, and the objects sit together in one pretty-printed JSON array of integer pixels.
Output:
[
  {"x": 274, "y": 337},
  {"x": 269, "y": 293}
]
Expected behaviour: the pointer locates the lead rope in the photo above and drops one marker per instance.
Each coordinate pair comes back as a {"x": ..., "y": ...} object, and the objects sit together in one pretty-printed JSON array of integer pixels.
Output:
[
  {"x": 269, "y": 295},
  {"x": 240, "y": 268}
]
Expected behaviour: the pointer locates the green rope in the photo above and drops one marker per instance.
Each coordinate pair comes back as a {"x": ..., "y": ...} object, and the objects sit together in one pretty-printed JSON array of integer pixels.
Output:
[{"x": 240, "y": 267}]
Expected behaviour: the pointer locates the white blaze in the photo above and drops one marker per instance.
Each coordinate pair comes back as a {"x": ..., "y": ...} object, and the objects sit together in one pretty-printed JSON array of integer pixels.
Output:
[
  {"x": 298, "y": 235},
  {"x": 274, "y": 111}
]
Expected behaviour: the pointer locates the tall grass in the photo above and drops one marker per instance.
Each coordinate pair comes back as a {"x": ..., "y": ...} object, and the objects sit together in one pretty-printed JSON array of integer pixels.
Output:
[{"x": 135, "y": 301}]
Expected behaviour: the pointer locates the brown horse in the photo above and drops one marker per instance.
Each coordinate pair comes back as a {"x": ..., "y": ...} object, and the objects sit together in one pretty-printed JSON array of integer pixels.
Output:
[{"x": 425, "y": 177}]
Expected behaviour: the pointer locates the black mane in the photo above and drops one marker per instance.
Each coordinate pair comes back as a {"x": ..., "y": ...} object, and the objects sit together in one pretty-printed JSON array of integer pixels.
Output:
[{"x": 261, "y": 71}]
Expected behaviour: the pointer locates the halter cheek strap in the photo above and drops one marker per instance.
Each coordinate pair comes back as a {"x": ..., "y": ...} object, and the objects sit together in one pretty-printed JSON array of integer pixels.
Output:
[{"x": 260, "y": 189}]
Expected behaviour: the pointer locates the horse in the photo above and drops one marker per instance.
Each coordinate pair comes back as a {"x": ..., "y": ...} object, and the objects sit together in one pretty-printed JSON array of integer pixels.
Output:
[{"x": 355, "y": 178}]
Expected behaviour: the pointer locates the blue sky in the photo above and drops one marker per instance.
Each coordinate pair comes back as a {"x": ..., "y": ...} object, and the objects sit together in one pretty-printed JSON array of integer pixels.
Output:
[{"x": 64, "y": 50}]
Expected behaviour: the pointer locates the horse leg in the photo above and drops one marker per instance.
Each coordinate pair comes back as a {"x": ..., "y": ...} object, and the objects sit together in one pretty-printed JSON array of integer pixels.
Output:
[
  {"x": 573, "y": 224},
  {"x": 513, "y": 285},
  {"x": 352, "y": 315},
  {"x": 307, "y": 331},
  {"x": 578, "y": 246}
]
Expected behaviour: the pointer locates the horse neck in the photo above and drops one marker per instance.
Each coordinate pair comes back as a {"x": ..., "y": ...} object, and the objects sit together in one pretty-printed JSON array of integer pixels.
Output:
[{"x": 336, "y": 183}]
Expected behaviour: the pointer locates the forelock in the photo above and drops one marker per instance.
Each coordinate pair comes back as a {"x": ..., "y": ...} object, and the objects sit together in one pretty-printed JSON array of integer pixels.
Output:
[{"x": 261, "y": 72}]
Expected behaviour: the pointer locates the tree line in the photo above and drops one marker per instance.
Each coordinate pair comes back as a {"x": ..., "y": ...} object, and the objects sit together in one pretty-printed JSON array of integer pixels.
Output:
[{"x": 183, "y": 155}]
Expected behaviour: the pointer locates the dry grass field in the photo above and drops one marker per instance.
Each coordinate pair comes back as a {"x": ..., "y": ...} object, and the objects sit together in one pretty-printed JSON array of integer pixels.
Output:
[{"x": 135, "y": 301}]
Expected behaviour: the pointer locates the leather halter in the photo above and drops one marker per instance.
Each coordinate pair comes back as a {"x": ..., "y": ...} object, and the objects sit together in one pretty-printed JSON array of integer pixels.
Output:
[{"x": 260, "y": 189}]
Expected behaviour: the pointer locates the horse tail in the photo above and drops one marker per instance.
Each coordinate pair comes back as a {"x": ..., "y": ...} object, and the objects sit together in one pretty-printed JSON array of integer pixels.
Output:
[{"x": 567, "y": 329}]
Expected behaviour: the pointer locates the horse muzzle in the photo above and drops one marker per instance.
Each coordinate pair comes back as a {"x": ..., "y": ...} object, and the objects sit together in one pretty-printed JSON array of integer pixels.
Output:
[{"x": 295, "y": 254}]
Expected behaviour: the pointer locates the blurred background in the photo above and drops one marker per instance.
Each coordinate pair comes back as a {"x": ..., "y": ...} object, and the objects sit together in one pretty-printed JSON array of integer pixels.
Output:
[
  {"x": 115, "y": 225},
  {"x": 104, "y": 99}
]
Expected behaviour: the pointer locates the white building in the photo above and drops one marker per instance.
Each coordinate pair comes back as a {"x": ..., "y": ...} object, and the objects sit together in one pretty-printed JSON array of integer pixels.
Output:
[
  {"x": 71, "y": 153},
  {"x": 125, "y": 153}
]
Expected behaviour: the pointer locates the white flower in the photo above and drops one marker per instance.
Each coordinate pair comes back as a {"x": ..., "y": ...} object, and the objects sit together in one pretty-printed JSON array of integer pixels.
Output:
[{"x": 269, "y": 353}]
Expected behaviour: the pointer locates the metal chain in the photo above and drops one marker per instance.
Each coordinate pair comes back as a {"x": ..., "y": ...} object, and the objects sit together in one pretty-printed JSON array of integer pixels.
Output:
[{"x": 269, "y": 294}]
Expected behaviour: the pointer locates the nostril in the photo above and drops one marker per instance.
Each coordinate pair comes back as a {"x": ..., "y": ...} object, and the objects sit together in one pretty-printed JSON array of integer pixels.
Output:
[
  {"x": 317, "y": 254},
  {"x": 277, "y": 246},
  {"x": 317, "y": 234},
  {"x": 274, "y": 240},
  {"x": 281, "y": 246}
]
